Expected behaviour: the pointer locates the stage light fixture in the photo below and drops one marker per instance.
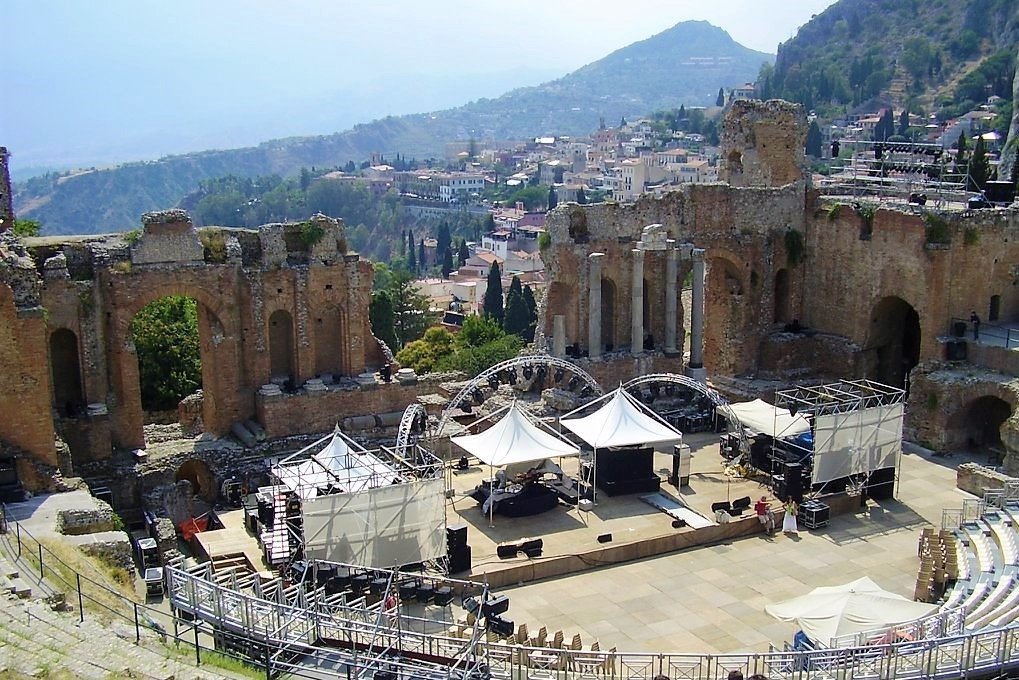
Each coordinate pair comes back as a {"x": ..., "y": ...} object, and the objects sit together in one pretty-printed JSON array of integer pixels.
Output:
[
  {"x": 493, "y": 381},
  {"x": 587, "y": 391},
  {"x": 466, "y": 406},
  {"x": 655, "y": 390},
  {"x": 559, "y": 375},
  {"x": 512, "y": 375},
  {"x": 542, "y": 372},
  {"x": 670, "y": 390},
  {"x": 479, "y": 397},
  {"x": 573, "y": 384},
  {"x": 528, "y": 372}
]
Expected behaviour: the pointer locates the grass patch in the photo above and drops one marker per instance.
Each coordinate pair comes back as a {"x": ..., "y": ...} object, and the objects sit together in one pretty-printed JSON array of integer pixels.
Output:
[
  {"x": 106, "y": 590},
  {"x": 214, "y": 245}
]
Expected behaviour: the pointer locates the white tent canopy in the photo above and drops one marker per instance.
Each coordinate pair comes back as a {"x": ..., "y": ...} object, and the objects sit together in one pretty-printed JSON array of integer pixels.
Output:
[
  {"x": 514, "y": 439},
  {"x": 831, "y": 611},
  {"x": 760, "y": 416},
  {"x": 621, "y": 422}
]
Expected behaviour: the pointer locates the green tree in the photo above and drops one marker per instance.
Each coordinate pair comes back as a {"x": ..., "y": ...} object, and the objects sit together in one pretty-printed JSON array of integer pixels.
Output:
[
  {"x": 462, "y": 253},
  {"x": 904, "y": 123},
  {"x": 447, "y": 262},
  {"x": 24, "y": 228},
  {"x": 474, "y": 360},
  {"x": 421, "y": 254},
  {"x": 424, "y": 355},
  {"x": 553, "y": 199},
  {"x": 442, "y": 238},
  {"x": 477, "y": 331},
  {"x": 383, "y": 319},
  {"x": 411, "y": 315},
  {"x": 493, "y": 304},
  {"x": 532, "y": 313},
  {"x": 165, "y": 335},
  {"x": 959, "y": 169},
  {"x": 720, "y": 99},
  {"x": 516, "y": 318},
  {"x": 412, "y": 261},
  {"x": 979, "y": 167},
  {"x": 814, "y": 140}
]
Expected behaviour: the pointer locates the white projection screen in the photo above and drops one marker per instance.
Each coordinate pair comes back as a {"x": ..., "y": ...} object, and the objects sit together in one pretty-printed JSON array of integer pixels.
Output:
[
  {"x": 856, "y": 442},
  {"x": 384, "y": 527}
]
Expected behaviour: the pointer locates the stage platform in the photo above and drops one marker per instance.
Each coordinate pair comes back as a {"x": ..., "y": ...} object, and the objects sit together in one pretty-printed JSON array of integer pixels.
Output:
[
  {"x": 637, "y": 529},
  {"x": 232, "y": 541}
]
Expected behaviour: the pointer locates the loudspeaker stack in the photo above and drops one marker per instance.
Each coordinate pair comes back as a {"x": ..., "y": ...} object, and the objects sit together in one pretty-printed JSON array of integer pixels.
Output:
[
  {"x": 457, "y": 550},
  {"x": 794, "y": 482}
]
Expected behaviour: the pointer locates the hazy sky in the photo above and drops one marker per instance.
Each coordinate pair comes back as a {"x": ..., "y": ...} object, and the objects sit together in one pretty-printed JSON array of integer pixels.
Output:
[{"x": 111, "y": 77}]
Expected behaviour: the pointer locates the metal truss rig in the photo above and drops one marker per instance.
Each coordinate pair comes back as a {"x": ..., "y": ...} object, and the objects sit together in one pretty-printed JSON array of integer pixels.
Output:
[{"x": 537, "y": 364}]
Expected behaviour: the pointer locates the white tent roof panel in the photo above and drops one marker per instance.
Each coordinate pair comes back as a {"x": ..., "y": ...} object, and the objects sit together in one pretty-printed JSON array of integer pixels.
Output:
[
  {"x": 620, "y": 422},
  {"x": 760, "y": 416},
  {"x": 514, "y": 439}
]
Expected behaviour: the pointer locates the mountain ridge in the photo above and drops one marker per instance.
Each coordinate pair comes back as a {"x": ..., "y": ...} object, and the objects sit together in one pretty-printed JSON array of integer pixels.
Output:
[{"x": 685, "y": 64}]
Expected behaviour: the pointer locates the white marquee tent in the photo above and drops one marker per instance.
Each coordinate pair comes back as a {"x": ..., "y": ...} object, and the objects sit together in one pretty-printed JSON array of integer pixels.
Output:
[
  {"x": 763, "y": 418},
  {"x": 620, "y": 422},
  {"x": 515, "y": 438}
]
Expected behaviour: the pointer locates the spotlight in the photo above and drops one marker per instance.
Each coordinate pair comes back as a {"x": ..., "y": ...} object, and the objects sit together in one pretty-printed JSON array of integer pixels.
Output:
[
  {"x": 528, "y": 372},
  {"x": 654, "y": 389},
  {"x": 647, "y": 399},
  {"x": 466, "y": 406},
  {"x": 559, "y": 375},
  {"x": 479, "y": 397},
  {"x": 670, "y": 390},
  {"x": 542, "y": 372},
  {"x": 573, "y": 384},
  {"x": 493, "y": 381},
  {"x": 587, "y": 391},
  {"x": 512, "y": 375}
]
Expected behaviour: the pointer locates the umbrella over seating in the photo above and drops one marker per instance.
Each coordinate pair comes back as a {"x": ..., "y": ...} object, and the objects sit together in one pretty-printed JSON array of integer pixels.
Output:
[{"x": 831, "y": 611}]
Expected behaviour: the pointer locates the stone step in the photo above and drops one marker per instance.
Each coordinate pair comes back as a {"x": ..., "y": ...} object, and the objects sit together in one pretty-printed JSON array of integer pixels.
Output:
[
  {"x": 7, "y": 569},
  {"x": 20, "y": 588}
]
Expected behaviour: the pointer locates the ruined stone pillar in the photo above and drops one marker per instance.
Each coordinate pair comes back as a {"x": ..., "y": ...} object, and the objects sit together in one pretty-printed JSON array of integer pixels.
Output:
[
  {"x": 696, "y": 366},
  {"x": 637, "y": 303},
  {"x": 559, "y": 336},
  {"x": 671, "y": 273},
  {"x": 594, "y": 305}
]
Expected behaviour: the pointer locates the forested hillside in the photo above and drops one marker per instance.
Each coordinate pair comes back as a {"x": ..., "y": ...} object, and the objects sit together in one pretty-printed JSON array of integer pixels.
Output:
[{"x": 936, "y": 56}]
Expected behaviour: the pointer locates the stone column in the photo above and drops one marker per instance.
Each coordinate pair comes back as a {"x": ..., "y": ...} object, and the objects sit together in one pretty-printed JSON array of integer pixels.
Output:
[
  {"x": 559, "y": 336},
  {"x": 671, "y": 274},
  {"x": 696, "y": 367},
  {"x": 637, "y": 303},
  {"x": 594, "y": 305}
]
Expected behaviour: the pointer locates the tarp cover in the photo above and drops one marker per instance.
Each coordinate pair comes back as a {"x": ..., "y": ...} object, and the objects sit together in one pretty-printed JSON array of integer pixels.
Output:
[
  {"x": 337, "y": 465},
  {"x": 381, "y": 527},
  {"x": 514, "y": 439},
  {"x": 857, "y": 442},
  {"x": 621, "y": 422},
  {"x": 830, "y": 611},
  {"x": 764, "y": 418}
]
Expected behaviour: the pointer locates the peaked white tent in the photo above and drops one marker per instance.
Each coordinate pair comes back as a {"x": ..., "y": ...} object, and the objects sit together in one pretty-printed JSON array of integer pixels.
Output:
[
  {"x": 830, "y": 611},
  {"x": 341, "y": 464},
  {"x": 760, "y": 416},
  {"x": 515, "y": 438},
  {"x": 621, "y": 421}
]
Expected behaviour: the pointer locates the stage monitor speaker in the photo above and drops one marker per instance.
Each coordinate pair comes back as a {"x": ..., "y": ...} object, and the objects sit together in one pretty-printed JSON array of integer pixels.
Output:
[
  {"x": 605, "y": 538},
  {"x": 456, "y": 536},
  {"x": 793, "y": 482},
  {"x": 293, "y": 507},
  {"x": 507, "y": 551},
  {"x": 532, "y": 547},
  {"x": 678, "y": 523},
  {"x": 460, "y": 559}
]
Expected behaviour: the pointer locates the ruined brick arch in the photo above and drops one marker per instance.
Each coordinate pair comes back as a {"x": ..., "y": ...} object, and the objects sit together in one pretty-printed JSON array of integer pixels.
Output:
[
  {"x": 725, "y": 312},
  {"x": 65, "y": 371},
  {"x": 222, "y": 370},
  {"x": 332, "y": 341},
  {"x": 282, "y": 362},
  {"x": 892, "y": 346},
  {"x": 782, "y": 297},
  {"x": 563, "y": 298},
  {"x": 200, "y": 476},
  {"x": 979, "y": 423}
]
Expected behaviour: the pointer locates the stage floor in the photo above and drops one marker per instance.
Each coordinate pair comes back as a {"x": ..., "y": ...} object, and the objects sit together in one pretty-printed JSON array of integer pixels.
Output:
[{"x": 567, "y": 530}]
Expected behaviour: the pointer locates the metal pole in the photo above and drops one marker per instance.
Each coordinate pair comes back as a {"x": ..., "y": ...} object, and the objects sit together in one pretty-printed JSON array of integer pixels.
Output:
[
  {"x": 81, "y": 606},
  {"x": 268, "y": 671},
  {"x": 41, "y": 574},
  {"x": 137, "y": 628},
  {"x": 17, "y": 527},
  {"x": 198, "y": 653}
]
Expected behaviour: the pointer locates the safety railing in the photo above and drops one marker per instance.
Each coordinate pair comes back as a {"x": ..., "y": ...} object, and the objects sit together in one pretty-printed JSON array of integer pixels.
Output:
[{"x": 986, "y": 334}]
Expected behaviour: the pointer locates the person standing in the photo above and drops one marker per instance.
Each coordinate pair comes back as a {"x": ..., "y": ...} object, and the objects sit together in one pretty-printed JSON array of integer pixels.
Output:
[
  {"x": 764, "y": 515},
  {"x": 975, "y": 320},
  {"x": 789, "y": 521}
]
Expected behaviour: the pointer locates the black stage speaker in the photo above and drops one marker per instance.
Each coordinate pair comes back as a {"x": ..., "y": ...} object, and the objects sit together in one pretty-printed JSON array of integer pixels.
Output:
[
  {"x": 778, "y": 486},
  {"x": 456, "y": 536},
  {"x": 460, "y": 559},
  {"x": 293, "y": 507},
  {"x": 495, "y": 606},
  {"x": 500, "y": 626},
  {"x": 794, "y": 482},
  {"x": 605, "y": 538},
  {"x": 532, "y": 547},
  {"x": 678, "y": 523},
  {"x": 507, "y": 551},
  {"x": 955, "y": 350},
  {"x": 881, "y": 484}
]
